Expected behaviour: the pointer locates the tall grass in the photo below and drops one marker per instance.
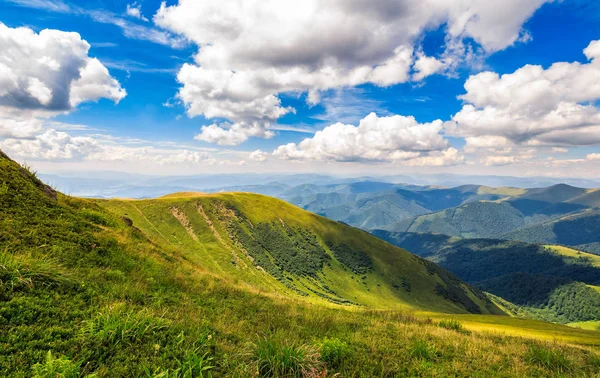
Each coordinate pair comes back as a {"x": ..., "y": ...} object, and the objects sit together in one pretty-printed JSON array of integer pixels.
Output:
[
  {"x": 273, "y": 357},
  {"x": 117, "y": 325},
  {"x": 53, "y": 367},
  {"x": 23, "y": 271},
  {"x": 552, "y": 359}
]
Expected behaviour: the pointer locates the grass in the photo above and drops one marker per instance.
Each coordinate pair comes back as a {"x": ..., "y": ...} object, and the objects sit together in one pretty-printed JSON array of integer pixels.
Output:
[
  {"x": 594, "y": 260},
  {"x": 552, "y": 359},
  {"x": 452, "y": 324},
  {"x": 88, "y": 294},
  {"x": 272, "y": 357}
]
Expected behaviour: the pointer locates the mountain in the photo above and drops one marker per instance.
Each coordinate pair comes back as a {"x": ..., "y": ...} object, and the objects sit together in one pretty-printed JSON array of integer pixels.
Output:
[
  {"x": 580, "y": 231},
  {"x": 109, "y": 184},
  {"x": 543, "y": 282},
  {"x": 484, "y": 218}
]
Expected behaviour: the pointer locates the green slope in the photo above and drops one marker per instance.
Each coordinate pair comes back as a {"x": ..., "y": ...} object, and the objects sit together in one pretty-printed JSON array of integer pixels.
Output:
[
  {"x": 87, "y": 292},
  {"x": 542, "y": 282},
  {"x": 272, "y": 245},
  {"x": 580, "y": 231}
]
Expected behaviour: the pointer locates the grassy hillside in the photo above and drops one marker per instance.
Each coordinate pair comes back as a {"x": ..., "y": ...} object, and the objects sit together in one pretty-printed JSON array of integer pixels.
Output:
[
  {"x": 278, "y": 247},
  {"x": 543, "y": 282},
  {"x": 88, "y": 292}
]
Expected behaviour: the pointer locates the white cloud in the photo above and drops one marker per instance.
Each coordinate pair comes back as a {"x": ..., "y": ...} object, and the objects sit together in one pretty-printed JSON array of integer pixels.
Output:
[
  {"x": 592, "y": 157},
  {"x": 450, "y": 156},
  {"x": 20, "y": 128},
  {"x": 94, "y": 83},
  {"x": 135, "y": 10},
  {"x": 232, "y": 134},
  {"x": 250, "y": 51},
  {"x": 497, "y": 160},
  {"x": 50, "y": 72},
  {"x": 258, "y": 155},
  {"x": 533, "y": 105},
  {"x": 50, "y": 145},
  {"x": 375, "y": 138},
  {"x": 426, "y": 66}
]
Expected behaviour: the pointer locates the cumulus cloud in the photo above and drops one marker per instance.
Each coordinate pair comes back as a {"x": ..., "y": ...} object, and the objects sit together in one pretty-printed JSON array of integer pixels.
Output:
[
  {"x": 20, "y": 128},
  {"x": 50, "y": 145},
  {"x": 374, "y": 139},
  {"x": 252, "y": 51},
  {"x": 258, "y": 155},
  {"x": 226, "y": 134},
  {"x": 50, "y": 72},
  {"x": 42, "y": 75},
  {"x": 533, "y": 105},
  {"x": 593, "y": 157}
]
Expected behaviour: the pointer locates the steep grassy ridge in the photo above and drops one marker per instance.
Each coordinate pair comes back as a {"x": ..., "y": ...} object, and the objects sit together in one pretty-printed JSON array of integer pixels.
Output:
[{"x": 272, "y": 245}]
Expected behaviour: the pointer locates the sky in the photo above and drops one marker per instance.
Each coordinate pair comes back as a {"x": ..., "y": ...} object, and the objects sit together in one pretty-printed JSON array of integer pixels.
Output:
[{"x": 346, "y": 87}]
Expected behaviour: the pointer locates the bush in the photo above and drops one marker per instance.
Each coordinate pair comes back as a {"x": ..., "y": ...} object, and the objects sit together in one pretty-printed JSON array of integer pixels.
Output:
[
  {"x": 273, "y": 358},
  {"x": 334, "y": 352}
]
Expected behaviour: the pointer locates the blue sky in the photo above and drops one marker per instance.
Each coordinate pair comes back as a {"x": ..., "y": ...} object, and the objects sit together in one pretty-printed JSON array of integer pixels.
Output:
[{"x": 157, "y": 118}]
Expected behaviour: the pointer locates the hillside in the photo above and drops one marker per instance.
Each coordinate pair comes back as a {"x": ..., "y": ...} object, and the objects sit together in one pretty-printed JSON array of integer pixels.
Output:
[
  {"x": 580, "y": 231},
  {"x": 90, "y": 292},
  {"x": 542, "y": 282},
  {"x": 484, "y": 219},
  {"x": 278, "y": 247}
]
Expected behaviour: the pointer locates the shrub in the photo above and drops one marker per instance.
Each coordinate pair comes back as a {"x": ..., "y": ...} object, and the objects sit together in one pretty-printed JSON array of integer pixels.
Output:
[
  {"x": 274, "y": 358},
  {"x": 547, "y": 358},
  {"x": 334, "y": 352}
]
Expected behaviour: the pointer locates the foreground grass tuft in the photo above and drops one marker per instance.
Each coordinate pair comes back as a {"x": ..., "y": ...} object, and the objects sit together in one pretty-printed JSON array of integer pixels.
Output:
[
  {"x": 553, "y": 359},
  {"x": 273, "y": 357},
  {"x": 334, "y": 352}
]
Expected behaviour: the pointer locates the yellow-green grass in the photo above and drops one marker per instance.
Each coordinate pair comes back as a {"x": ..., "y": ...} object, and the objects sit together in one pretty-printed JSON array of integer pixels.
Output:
[
  {"x": 593, "y": 325},
  {"x": 503, "y": 190},
  {"x": 152, "y": 215},
  {"x": 213, "y": 250},
  {"x": 526, "y": 328},
  {"x": 566, "y": 251}
]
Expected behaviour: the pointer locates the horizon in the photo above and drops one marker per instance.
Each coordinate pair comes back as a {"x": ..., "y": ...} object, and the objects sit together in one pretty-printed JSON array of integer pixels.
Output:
[{"x": 151, "y": 87}]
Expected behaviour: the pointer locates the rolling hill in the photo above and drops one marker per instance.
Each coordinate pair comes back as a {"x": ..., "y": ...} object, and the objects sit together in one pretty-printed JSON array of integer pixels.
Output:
[
  {"x": 580, "y": 231},
  {"x": 239, "y": 285},
  {"x": 543, "y": 282}
]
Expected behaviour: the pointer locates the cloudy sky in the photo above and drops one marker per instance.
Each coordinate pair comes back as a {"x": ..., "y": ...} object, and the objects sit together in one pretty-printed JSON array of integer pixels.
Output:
[{"x": 337, "y": 86}]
